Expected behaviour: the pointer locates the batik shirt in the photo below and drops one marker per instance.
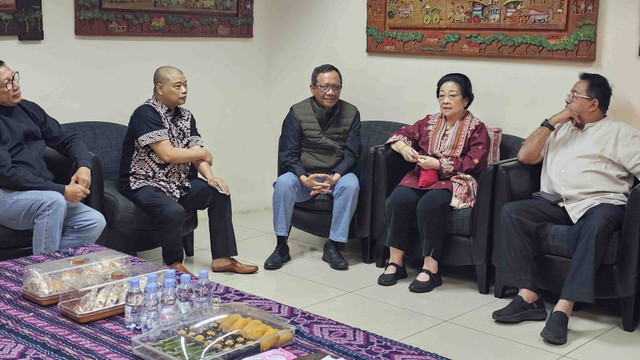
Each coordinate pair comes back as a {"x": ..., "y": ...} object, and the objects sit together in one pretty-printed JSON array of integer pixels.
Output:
[
  {"x": 462, "y": 152},
  {"x": 141, "y": 166}
]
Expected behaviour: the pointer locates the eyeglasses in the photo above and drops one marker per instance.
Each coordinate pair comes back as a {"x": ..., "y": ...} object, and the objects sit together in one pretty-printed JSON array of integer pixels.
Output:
[
  {"x": 572, "y": 96},
  {"x": 14, "y": 79},
  {"x": 325, "y": 88}
]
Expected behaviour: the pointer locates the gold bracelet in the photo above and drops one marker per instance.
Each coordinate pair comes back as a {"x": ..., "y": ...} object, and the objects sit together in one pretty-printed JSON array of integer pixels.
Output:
[{"x": 404, "y": 147}]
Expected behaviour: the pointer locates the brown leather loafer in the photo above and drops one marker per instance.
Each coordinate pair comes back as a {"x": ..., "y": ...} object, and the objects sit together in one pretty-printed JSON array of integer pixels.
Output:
[
  {"x": 179, "y": 267},
  {"x": 236, "y": 267}
]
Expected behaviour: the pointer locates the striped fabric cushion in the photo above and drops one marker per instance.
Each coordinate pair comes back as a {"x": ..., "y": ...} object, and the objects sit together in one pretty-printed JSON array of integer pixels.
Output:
[{"x": 495, "y": 136}]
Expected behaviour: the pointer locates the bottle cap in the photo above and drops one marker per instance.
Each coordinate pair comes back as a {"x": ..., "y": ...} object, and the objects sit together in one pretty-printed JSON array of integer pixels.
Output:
[
  {"x": 185, "y": 278},
  {"x": 117, "y": 275},
  {"x": 169, "y": 282},
  {"x": 151, "y": 287},
  {"x": 153, "y": 277},
  {"x": 134, "y": 282},
  {"x": 203, "y": 274},
  {"x": 170, "y": 273}
]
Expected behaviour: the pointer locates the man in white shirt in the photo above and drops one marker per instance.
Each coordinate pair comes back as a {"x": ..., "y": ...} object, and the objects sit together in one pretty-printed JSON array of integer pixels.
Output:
[{"x": 588, "y": 166}]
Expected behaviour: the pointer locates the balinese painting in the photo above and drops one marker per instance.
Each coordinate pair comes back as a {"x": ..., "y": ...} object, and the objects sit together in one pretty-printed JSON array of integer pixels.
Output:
[
  {"x": 22, "y": 18},
  {"x": 544, "y": 29},
  {"x": 189, "y": 18}
]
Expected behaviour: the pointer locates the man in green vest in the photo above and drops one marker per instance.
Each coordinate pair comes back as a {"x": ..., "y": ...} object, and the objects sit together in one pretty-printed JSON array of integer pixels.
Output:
[{"x": 319, "y": 148}]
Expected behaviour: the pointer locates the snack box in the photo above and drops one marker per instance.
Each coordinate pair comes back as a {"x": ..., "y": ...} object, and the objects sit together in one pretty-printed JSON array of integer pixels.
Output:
[
  {"x": 42, "y": 282},
  {"x": 226, "y": 331},
  {"x": 85, "y": 303}
]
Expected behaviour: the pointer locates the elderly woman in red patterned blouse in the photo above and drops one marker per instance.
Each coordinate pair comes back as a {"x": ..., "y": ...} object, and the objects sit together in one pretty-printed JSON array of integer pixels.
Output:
[{"x": 450, "y": 149}]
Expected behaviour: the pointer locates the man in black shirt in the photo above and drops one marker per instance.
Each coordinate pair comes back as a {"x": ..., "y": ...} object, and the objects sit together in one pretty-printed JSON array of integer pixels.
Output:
[
  {"x": 29, "y": 199},
  {"x": 162, "y": 145}
]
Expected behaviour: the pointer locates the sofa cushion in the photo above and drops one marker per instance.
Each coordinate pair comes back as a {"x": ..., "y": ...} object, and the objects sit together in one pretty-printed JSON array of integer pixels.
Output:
[
  {"x": 459, "y": 222},
  {"x": 556, "y": 243},
  {"x": 118, "y": 209},
  {"x": 320, "y": 202},
  {"x": 10, "y": 238}
]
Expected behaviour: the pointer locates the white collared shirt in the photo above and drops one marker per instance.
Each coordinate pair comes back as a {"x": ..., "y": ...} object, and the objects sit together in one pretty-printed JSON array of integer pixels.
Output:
[{"x": 591, "y": 166}]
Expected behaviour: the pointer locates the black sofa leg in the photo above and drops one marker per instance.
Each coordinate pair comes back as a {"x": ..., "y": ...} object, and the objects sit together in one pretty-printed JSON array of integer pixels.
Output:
[
  {"x": 499, "y": 288},
  {"x": 187, "y": 244},
  {"x": 368, "y": 250},
  {"x": 381, "y": 254},
  {"x": 482, "y": 275},
  {"x": 627, "y": 306}
]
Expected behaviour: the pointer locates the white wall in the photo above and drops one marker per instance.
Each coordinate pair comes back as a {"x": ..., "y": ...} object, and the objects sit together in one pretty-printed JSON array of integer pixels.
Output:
[
  {"x": 241, "y": 89},
  {"x": 77, "y": 78},
  {"x": 513, "y": 94}
]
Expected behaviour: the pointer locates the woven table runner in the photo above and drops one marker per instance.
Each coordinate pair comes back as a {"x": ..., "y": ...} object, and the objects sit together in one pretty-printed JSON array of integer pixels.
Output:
[{"x": 31, "y": 331}]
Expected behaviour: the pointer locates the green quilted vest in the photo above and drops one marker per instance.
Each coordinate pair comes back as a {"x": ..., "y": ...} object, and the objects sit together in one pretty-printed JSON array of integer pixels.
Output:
[{"x": 323, "y": 150}]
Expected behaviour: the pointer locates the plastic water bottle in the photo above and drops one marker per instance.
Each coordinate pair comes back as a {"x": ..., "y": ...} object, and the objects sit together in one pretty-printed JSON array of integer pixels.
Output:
[
  {"x": 168, "y": 302},
  {"x": 170, "y": 274},
  {"x": 153, "y": 279},
  {"x": 133, "y": 307},
  {"x": 202, "y": 291},
  {"x": 150, "y": 315},
  {"x": 184, "y": 292}
]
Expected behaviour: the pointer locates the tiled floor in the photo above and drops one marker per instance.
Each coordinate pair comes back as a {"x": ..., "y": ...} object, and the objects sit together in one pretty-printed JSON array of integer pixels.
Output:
[{"x": 453, "y": 321}]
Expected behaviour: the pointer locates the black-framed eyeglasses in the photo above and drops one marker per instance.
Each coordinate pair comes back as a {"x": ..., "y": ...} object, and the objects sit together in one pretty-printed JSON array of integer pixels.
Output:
[
  {"x": 14, "y": 79},
  {"x": 325, "y": 88},
  {"x": 572, "y": 96}
]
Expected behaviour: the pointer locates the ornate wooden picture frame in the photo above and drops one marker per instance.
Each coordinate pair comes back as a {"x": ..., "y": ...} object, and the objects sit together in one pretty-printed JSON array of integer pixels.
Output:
[
  {"x": 22, "y": 18},
  {"x": 541, "y": 29},
  {"x": 187, "y": 18}
]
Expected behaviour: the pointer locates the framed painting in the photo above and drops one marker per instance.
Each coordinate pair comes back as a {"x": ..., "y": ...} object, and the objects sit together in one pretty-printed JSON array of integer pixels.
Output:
[
  {"x": 541, "y": 29},
  {"x": 187, "y": 18},
  {"x": 22, "y": 18}
]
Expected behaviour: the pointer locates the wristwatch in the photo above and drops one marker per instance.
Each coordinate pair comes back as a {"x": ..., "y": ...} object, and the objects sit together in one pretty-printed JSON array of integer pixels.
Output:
[{"x": 548, "y": 125}]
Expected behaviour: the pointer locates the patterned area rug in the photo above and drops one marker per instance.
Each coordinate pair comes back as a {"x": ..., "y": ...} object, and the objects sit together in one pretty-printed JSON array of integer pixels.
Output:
[{"x": 30, "y": 331}]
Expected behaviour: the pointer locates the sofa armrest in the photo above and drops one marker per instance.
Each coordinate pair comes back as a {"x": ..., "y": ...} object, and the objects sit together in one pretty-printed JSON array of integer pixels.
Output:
[
  {"x": 96, "y": 198},
  {"x": 629, "y": 249},
  {"x": 389, "y": 168},
  {"x": 63, "y": 169},
  {"x": 363, "y": 212},
  {"x": 513, "y": 181},
  {"x": 482, "y": 213}
]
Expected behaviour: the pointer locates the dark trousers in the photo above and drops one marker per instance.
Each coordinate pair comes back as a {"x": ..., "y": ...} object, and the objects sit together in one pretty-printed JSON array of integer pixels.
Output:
[
  {"x": 170, "y": 215},
  {"x": 428, "y": 208},
  {"x": 525, "y": 227}
]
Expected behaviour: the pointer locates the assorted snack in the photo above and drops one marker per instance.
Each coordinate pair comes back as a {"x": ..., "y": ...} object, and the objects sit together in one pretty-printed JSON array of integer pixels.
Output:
[
  {"x": 234, "y": 335},
  {"x": 89, "y": 303},
  {"x": 44, "y": 282}
]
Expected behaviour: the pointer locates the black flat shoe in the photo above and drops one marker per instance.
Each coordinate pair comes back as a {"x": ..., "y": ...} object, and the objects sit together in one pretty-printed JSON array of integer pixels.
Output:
[
  {"x": 519, "y": 310},
  {"x": 279, "y": 256},
  {"x": 556, "y": 328},
  {"x": 333, "y": 256},
  {"x": 392, "y": 279},
  {"x": 434, "y": 281}
]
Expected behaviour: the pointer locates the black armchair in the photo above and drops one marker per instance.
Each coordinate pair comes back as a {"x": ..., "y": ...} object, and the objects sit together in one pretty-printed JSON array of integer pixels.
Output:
[
  {"x": 129, "y": 228},
  {"x": 314, "y": 216},
  {"x": 468, "y": 230},
  {"x": 18, "y": 243},
  {"x": 617, "y": 277}
]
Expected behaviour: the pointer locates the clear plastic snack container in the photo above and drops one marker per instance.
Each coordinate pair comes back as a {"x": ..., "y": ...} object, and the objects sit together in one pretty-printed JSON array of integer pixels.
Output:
[
  {"x": 224, "y": 331},
  {"x": 84, "y": 302},
  {"x": 42, "y": 283}
]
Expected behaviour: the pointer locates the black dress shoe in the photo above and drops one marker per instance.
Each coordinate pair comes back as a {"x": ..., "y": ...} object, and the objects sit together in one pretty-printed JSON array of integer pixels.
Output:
[
  {"x": 418, "y": 286},
  {"x": 333, "y": 257},
  {"x": 556, "y": 328},
  {"x": 279, "y": 256},
  {"x": 519, "y": 310},
  {"x": 392, "y": 279}
]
